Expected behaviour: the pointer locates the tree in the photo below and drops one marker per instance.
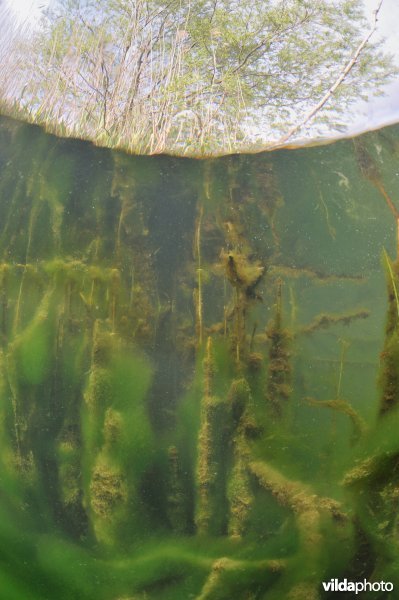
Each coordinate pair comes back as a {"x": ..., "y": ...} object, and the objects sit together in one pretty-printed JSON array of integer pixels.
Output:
[{"x": 196, "y": 77}]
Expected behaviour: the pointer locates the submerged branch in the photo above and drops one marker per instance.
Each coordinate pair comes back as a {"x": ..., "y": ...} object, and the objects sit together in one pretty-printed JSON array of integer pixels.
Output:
[
  {"x": 339, "y": 405},
  {"x": 325, "y": 320}
]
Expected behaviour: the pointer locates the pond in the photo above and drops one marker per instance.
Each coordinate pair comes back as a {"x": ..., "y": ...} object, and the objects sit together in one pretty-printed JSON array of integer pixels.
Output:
[{"x": 199, "y": 370}]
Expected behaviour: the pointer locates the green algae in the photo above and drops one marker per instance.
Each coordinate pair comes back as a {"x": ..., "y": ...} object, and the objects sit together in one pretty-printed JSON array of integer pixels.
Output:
[{"x": 169, "y": 333}]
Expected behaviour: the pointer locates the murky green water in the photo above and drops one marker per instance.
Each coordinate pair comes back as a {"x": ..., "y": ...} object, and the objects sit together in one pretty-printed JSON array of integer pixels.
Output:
[{"x": 199, "y": 371}]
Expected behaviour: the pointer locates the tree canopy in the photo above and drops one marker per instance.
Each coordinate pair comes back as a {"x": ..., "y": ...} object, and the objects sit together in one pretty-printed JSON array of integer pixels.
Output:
[{"x": 199, "y": 77}]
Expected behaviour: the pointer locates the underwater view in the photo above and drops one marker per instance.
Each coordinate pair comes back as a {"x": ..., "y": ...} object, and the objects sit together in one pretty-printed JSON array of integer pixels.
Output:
[{"x": 199, "y": 371}]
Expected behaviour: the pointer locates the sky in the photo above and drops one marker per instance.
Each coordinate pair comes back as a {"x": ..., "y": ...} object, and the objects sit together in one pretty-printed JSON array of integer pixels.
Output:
[
  {"x": 377, "y": 111},
  {"x": 381, "y": 111},
  {"x": 26, "y": 10}
]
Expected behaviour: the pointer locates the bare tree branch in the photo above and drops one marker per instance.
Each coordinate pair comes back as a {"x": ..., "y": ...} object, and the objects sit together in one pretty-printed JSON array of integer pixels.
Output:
[{"x": 349, "y": 66}]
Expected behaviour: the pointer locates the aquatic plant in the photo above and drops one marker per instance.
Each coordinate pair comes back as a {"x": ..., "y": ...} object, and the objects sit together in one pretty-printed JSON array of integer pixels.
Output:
[{"x": 176, "y": 361}]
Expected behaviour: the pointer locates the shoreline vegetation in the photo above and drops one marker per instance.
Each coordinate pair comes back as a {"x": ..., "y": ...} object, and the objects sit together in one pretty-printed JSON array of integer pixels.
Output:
[{"x": 202, "y": 80}]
